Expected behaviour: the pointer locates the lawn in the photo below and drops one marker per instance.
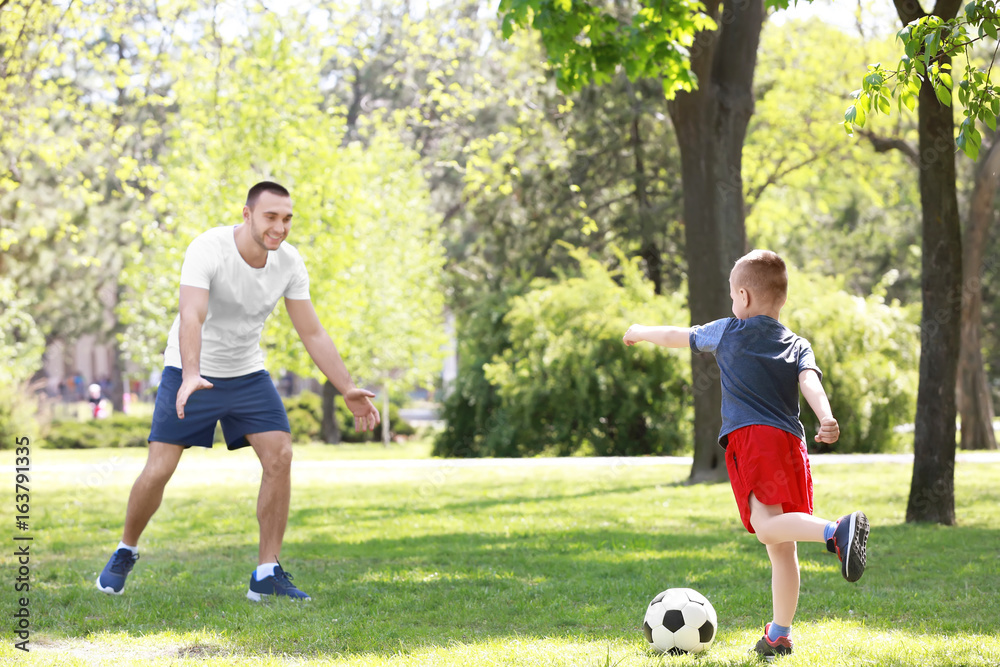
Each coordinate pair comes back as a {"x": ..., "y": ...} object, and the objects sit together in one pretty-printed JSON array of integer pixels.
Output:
[{"x": 432, "y": 562}]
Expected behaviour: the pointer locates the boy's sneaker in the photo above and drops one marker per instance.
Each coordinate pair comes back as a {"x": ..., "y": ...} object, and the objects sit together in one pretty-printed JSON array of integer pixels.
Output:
[
  {"x": 850, "y": 541},
  {"x": 278, "y": 583},
  {"x": 112, "y": 579},
  {"x": 769, "y": 650}
]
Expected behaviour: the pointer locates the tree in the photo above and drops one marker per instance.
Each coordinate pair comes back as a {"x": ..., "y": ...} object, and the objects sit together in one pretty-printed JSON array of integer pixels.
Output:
[
  {"x": 931, "y": 41},
  {"x": 706, "y": 59},
  {"x": 395, "y": 322},
  {"x": 794, "y": 160},
  {"x": 711, "y": 125},
  {"x": 82, "y": 117},
  {"x": 975, "y": 404}
]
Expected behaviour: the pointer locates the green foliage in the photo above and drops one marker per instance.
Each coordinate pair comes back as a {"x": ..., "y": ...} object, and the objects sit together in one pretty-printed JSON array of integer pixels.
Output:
[
  {"x": 118, "y": 430},
  {"x": 305, "y": 416},
  {"x": 587, "y": 42},
  {"x": 81, "y": 126},
  {"x": 929, "y": 44},
  {"x": 474, "y": 417},
  {"x": 21, "y": 344},
  {"x": 566, "y": 384},
  {"x": 798, "y": 201},
  {"x": 595, "y": 169},
  {"x": 21, "y": 348},
  {"x": 18, "y": 418},
  {"x": 865, "y": 349},
  {"x": 388, "y": 293}
]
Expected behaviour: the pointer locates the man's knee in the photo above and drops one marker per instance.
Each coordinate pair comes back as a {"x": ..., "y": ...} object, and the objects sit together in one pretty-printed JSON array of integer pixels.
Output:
[
  {"x": 162, "y": 461},
  {"x": 276, "y": 456},
  {"x": 283, "y": 456}
]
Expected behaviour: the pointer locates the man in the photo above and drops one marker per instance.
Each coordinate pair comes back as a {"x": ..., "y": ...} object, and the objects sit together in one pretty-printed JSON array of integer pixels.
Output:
[{"x": 231, "y": 279}]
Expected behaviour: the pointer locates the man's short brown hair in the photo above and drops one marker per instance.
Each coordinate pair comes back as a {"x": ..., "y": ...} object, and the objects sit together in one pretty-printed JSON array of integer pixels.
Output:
[
  {"x": 265, "y": 186},
  {"x": 763, "y": 273}
]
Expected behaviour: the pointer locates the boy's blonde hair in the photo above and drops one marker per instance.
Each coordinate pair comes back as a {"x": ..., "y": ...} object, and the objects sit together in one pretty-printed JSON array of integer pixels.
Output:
[{"x": 763, "y": 273}]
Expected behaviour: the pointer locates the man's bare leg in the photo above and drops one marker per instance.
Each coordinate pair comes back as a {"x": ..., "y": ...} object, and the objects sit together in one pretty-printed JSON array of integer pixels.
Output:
[
  {"x": 147, "y": 491},
  {"x": 274, "y": 449}
]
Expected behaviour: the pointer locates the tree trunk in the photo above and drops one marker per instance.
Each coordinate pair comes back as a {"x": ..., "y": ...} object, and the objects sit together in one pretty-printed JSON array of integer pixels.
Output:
[
  {"x": 329, "y": 429},
  {"x": 110, "y": 296},
  {"x": 118, "y": 380},
  {"x": 649, "y": 250},
  {"x": 932, "y": 490},
  {"x": 711, "y": 124},
  {"x": 975, "y": 404}
]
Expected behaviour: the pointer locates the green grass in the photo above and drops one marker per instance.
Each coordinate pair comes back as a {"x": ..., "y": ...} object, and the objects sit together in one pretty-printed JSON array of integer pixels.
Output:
[{"x": 440, "y": 564}]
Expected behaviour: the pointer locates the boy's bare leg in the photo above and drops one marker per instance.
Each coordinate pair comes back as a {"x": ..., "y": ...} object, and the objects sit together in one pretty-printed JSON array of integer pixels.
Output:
[
  {"x": 784, "y": 581},
  {"x": 147, "y": 491},
  {"x": 773, "y": 526}
]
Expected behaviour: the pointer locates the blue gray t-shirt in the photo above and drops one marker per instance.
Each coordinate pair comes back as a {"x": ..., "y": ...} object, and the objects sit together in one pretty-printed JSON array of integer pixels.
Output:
[{"x": 760, "y": 360}]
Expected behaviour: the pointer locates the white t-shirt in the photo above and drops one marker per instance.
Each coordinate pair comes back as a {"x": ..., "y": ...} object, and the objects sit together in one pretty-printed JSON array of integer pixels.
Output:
[{"x": 240, "y": 298}]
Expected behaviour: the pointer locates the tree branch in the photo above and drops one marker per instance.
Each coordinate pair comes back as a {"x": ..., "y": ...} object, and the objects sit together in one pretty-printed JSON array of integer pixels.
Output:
[
  {"x": 885, "y": 144},
  {"x": 754, "y": 195}
]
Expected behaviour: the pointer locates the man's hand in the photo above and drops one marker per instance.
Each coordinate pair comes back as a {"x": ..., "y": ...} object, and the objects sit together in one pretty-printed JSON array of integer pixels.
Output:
[
  {"x": 829, "y": 430},
  {"x": 188, "y": 386},
  {"x": 633, "y": 335},
  {"x": 366, "y": 416}
]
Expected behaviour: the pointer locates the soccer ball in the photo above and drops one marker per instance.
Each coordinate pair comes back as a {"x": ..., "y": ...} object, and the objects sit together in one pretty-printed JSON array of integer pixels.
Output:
[{"x": 680, "y": 620}]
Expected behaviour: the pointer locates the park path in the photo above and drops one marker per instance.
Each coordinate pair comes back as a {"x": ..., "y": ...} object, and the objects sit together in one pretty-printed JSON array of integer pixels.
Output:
[{"x": 233, "y": 462}]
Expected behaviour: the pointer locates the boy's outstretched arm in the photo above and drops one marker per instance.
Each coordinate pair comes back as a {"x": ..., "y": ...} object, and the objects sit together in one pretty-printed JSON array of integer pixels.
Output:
[
  {"x": 812, "y": 389},
  {"x": 663, "y": 336}
]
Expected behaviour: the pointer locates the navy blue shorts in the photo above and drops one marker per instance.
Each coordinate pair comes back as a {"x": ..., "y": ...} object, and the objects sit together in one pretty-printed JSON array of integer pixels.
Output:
[{"x": 244, "y": 404}]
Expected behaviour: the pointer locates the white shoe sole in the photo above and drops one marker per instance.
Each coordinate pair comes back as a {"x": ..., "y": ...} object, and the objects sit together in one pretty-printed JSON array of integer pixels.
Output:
[
  {"x": 108, "y": 590},
  {"x": 855, "y": 559},
  {"x": 257, "y": 597}
]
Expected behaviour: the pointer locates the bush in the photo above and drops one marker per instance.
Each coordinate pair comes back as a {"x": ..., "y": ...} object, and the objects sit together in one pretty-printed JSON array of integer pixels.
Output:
[
  {"x": 561, "y": 382},
  {"x": 116, "y": 431},
  {"x": 18, "y": 418},
  {"x": 21, "y": 348},
  {"x": 869, "y": 354},
  {"x": 305, "y": 415},
  {"x": 470, "y": 411}
]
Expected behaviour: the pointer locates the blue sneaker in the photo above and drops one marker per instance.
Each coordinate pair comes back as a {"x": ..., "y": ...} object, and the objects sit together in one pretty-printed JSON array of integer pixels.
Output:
[
  {"x": 278, "y": 583},
  {"x": 112, "y": 579},
  {"x": 850, "y": 541}
]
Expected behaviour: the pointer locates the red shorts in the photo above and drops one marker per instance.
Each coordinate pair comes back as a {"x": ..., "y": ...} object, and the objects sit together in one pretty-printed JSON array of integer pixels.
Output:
[{"x": 771, "y": 463}]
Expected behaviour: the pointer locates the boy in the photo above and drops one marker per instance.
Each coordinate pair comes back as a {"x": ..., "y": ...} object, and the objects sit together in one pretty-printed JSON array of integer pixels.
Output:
[{"x": 762, "y": 365}]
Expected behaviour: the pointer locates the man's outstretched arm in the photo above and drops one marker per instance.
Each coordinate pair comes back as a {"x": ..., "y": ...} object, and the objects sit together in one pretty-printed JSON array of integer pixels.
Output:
[{"x": 320, "y": 347}]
